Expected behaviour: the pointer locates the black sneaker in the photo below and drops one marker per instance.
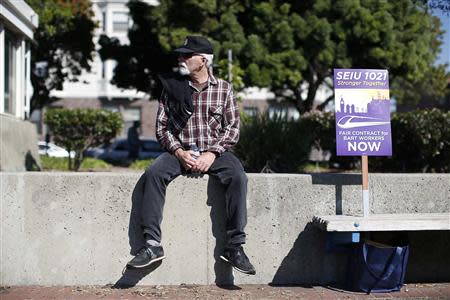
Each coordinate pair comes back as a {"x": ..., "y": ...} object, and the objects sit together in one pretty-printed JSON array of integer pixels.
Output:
[
  {"x": 237, "y": 258},
  {"x": 146, "y": 256}
]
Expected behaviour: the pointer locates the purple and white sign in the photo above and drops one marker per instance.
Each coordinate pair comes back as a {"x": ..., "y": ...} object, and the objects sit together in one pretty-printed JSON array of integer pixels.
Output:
[{"x": 363, "y": 121}]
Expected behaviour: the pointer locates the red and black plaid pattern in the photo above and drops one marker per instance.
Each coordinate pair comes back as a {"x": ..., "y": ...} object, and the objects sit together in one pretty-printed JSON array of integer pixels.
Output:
[{"x": 213, "y": 126}]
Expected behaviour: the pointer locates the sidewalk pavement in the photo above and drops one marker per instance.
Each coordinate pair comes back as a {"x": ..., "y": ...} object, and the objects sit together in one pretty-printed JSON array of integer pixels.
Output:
[{"x": 184, "y": 291}]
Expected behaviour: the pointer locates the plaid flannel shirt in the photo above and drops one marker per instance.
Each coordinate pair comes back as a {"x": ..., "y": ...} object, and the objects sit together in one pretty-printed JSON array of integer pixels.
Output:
[{"x": 213, "y": 125}]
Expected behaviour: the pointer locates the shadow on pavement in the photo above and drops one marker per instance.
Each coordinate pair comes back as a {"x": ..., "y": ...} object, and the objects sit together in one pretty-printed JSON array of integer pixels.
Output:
[
  {"x": 229, "y": 287},
  {"x": 130, "y": 277}
]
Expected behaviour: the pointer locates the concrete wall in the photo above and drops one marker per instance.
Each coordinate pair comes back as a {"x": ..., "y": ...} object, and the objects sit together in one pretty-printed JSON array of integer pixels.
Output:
[
  {"x": 18, "y": 147},
  {"x": 75, "y": 229}
]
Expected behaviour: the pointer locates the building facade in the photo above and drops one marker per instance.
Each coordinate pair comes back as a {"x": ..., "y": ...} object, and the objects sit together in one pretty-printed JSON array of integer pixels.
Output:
[
  {"x": 17, "y": 24},
  {"x": 18, "y": 147},
  {"x": 94, "y": 89}
]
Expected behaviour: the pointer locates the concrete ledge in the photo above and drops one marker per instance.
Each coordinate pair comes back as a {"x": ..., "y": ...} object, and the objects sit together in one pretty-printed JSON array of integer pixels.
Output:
[{"x": 74, "y": 228}]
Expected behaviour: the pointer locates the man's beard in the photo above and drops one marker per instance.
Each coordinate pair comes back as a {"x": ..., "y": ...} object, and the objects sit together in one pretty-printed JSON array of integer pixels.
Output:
[{"x": 183, "y": 69}]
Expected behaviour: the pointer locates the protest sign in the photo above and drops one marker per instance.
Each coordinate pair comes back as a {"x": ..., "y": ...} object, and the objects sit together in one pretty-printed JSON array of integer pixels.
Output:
[{"x": 362, "y": 108}]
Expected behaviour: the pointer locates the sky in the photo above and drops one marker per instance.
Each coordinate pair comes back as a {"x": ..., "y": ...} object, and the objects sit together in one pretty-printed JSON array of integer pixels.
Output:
[{"x": 444, "y": 56}]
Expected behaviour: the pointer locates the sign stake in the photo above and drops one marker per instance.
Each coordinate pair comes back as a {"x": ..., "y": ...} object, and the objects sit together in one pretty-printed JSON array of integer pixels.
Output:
[
  {"x": 365, "y": 184},
  {"x": 363, "y": 120}
]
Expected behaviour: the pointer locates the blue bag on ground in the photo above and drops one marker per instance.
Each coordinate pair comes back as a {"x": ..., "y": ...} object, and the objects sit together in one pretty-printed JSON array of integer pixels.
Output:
[{"x": 375, "y": 267}]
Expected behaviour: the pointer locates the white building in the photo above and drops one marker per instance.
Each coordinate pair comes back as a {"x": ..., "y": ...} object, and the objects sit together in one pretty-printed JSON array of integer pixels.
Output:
[
  {"x": 113, "y": 21},
  {"x": 18, "y": 147},
  {"x": 93, "y": 89},
  {"x": 17, "y": 24}
]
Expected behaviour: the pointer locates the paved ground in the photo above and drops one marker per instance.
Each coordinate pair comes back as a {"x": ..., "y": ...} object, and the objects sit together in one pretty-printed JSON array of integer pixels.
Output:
[{"x": 410, "y": 291}]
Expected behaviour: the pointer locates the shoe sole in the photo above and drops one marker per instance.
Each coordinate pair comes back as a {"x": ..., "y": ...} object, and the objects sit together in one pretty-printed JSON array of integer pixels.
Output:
[
  {"x": 148, "y": 264},
  {"x": 236, "y": 268}
]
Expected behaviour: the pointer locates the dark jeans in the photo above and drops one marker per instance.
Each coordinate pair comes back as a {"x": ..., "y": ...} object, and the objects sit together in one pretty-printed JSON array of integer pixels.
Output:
[{"x": 227, "y": 168}]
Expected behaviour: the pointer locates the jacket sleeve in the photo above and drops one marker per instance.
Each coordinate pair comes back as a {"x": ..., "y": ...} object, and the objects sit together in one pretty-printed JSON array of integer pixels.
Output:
[
  {"x": 229, "y": 135},
  {"x": 163, "y": 134}
]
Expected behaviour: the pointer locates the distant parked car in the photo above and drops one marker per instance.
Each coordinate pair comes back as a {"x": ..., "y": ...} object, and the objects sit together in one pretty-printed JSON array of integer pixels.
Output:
[
  {"x": 117, "y": 152},
  {"x": 52, "y": 150},
  {"x": 95, "y": 152}
]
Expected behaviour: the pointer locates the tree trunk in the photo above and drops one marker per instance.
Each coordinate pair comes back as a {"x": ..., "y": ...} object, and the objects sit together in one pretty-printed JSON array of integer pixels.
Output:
[
  {"x": 70, "y": 160},
  {"x": 78, "y": 160},
  {"x": 312, "y": 91},
  {"x": 298, "y": 101},
  {"x": 314, "y": 81}
]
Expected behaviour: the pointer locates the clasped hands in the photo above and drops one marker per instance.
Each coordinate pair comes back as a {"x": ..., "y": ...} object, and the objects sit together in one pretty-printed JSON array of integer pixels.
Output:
[{"x": 200, "y": 164}]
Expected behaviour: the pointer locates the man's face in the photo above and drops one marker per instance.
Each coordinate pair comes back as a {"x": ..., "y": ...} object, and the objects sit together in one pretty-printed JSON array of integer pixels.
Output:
[{"x": 190, "y": 63}]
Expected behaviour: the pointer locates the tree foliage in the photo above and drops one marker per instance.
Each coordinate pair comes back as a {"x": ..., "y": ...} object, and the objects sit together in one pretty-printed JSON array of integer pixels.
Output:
[
  {"x": 79, "y": 129},
  {"x": 63, "y": 43},
  {"x": 289, "y": 46}
]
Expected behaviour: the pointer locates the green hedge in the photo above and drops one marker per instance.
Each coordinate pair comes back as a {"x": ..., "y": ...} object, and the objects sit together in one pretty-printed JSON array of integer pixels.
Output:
[
  {"x": 61, "y": 164},
  {"x": 141, "y": 164},
  {"x": 271, "y": 144},
  {"x": 420, "y": 141}
]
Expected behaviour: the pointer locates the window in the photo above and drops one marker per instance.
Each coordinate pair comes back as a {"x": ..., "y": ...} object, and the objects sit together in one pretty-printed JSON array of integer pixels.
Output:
[
  {"x": 26, "y": 73},
  {"x": 43, "y": 147},
  {"x": 283, "y": 112},
  {"x": 120, "y": 21},
  {"x": 104, "y": 21},
  {"x": 278, "y": 112},
  {"x": 129, "y": 116},
  {"x": 122, "y": 146},
  {"x": 111, "y": 108},
  {"x": 103, "y": 69},
  {"x": 251, "y": 111},
  {"x": 132, "y": 114},
  {"x": 9, "y": 74}
]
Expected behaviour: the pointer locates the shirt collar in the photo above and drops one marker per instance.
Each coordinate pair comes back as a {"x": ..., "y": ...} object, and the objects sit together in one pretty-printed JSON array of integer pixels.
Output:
[{"x": 211, "y": 81}]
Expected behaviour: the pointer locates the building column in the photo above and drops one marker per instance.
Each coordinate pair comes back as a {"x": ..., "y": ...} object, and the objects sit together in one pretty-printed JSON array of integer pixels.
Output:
[
  {"x": 2, "y": 69},
  {"x": 27, "y": 79},
  {"x": 19, "y": 78}
]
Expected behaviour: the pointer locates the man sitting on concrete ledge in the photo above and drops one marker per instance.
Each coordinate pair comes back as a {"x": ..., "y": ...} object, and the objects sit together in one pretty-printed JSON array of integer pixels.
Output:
[{"x": 197, "y": 123}]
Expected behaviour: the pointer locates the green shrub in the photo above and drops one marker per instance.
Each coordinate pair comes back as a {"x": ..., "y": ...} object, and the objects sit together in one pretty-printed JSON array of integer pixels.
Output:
[
  {"x": 93, "y": 164},
  {"x": 79, "y": 129},
  {"x": 61, "y": 164},
  {"x": 54, "y": 163},
  {"x": 420, "y": 142},
  {"x": 271, "y": 144},
  {"x": 141, "y": 164}
]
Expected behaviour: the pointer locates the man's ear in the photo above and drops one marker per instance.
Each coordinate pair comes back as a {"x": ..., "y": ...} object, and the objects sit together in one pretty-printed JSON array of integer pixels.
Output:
[{"x": 204, "y": 61}]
